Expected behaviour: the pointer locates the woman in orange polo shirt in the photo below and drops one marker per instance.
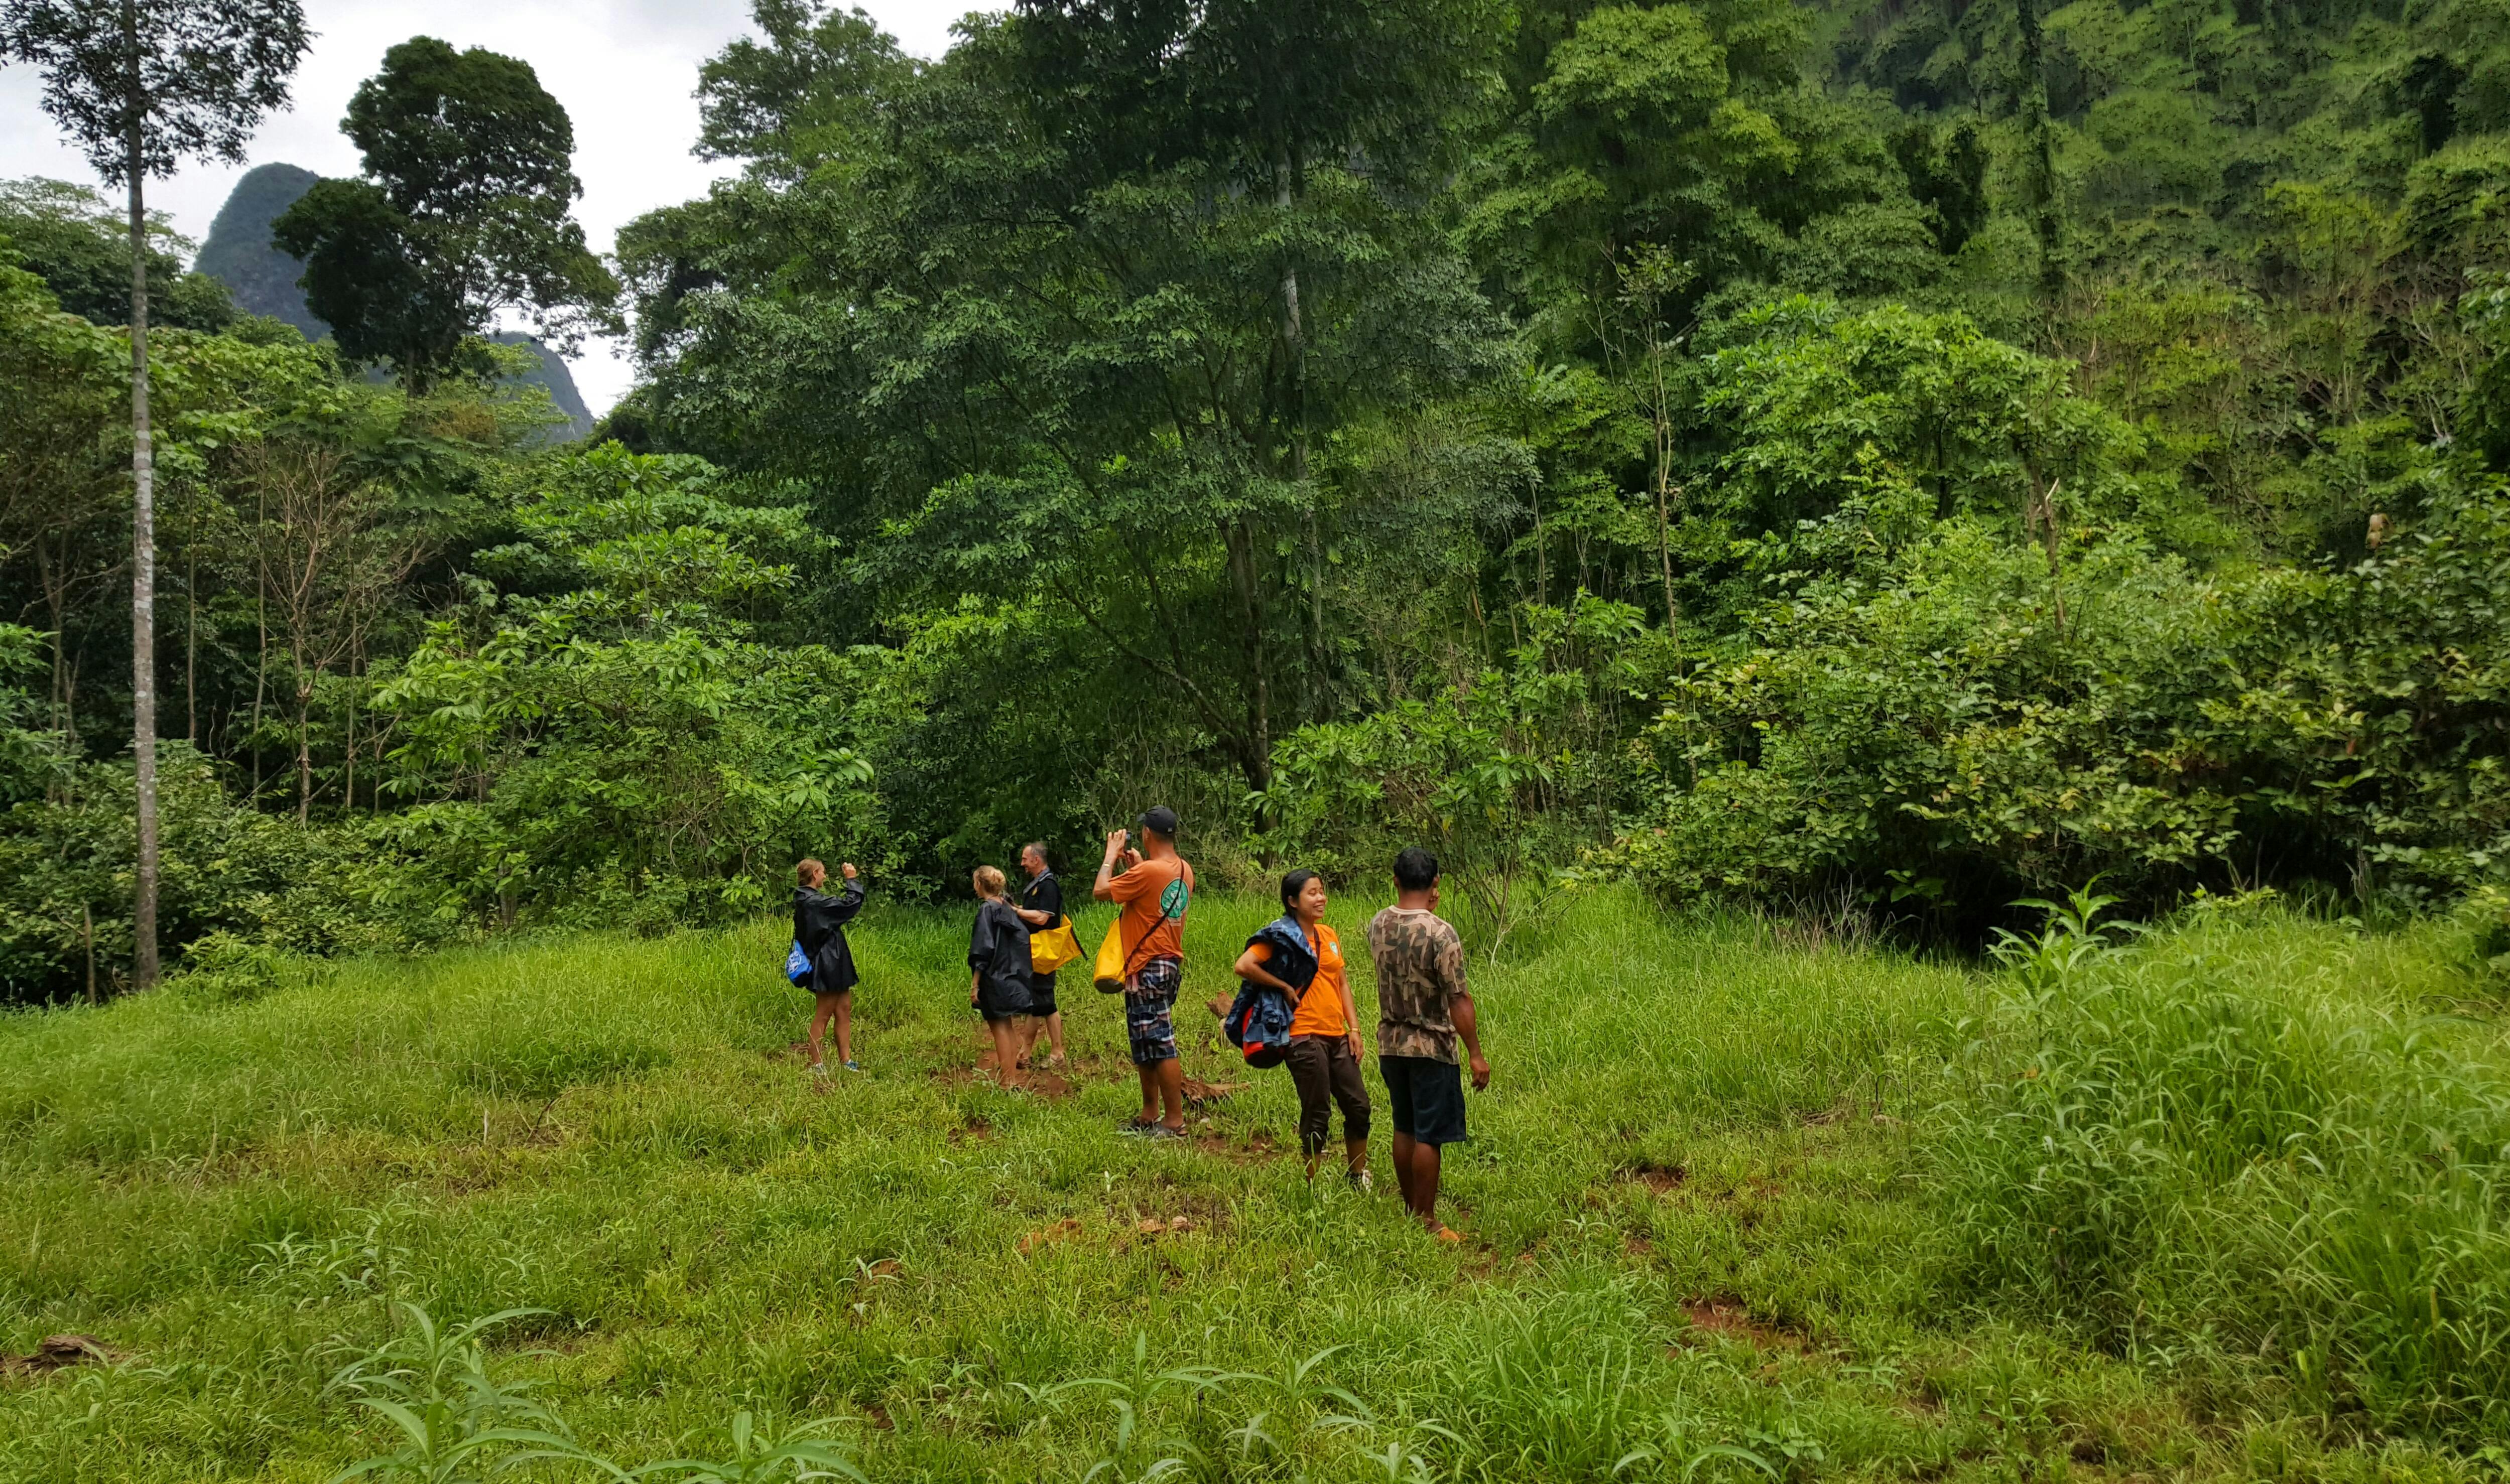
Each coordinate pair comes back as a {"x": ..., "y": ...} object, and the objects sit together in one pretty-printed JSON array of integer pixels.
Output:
[{"x": 1324, "y": 1053}]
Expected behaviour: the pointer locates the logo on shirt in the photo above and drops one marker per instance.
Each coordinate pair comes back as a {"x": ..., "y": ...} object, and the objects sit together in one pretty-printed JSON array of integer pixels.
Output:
[{"x": 1172, "y": 901}]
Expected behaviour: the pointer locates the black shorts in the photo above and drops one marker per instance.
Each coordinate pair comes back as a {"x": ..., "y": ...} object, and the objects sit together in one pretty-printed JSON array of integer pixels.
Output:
[
  {"x": 1041, "y": 994},
  {"x": 1426, "y": 1099}
]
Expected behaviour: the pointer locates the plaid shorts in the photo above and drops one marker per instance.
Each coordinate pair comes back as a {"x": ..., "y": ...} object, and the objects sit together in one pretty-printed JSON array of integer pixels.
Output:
[{"x": 1150, "y": 1009}]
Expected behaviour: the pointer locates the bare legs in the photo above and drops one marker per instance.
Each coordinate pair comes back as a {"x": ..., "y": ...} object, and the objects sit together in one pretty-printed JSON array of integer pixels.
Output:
[
  {"x": 1049, "y": 1026},
  {"x": 1164, "y": 1092},
  {"x": 839, "y": 1008},
  {"x": 1415, "y": 1169},
  {"x": 1008, "y": 1035},
  {"x": 1355, "y": 1155}
]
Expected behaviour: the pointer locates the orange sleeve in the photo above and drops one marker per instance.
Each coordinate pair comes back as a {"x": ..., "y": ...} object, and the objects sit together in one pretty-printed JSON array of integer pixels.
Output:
[
  {"x": 1263, "y": 953},
  {"x": 1131, "y": 886}
]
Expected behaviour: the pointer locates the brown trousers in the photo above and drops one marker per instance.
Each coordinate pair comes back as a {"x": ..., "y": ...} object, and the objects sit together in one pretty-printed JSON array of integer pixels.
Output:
[{"x": 1325, "y": 1072}]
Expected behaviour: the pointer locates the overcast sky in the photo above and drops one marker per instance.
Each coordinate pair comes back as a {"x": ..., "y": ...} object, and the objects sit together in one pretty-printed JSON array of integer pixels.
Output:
[{"x": 626, "y": 70}]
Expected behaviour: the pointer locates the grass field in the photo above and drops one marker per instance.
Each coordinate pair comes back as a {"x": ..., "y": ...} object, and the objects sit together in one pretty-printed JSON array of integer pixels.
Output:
[{"x": 1736, "y": 1209}]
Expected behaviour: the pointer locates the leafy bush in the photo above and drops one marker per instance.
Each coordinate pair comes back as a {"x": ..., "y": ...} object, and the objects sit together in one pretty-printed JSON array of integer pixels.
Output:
[
  {"x": 1505, "y": 775},
  {"x": 1932, "y": 710},
  {"x": 247, "y": 883}
]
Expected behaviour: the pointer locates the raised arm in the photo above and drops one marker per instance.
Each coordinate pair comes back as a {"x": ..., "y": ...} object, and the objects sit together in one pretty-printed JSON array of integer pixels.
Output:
[
  {"x": 1104, "y": 888},
  {"x": 850, "y": 897}
]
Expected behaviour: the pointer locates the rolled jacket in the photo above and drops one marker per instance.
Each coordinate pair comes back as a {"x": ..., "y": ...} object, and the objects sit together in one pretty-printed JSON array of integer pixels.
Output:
[{"x": 1259, "y": 1019}]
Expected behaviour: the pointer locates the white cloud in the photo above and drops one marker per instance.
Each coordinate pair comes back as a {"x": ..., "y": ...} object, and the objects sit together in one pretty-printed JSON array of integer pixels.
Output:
[{"x": 626, "y": 70}]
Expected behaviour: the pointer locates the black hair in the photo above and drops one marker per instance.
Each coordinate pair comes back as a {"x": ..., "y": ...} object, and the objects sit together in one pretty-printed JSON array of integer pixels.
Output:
[
  {"x": 1292, "y": 885},
  {"x": 1042, "y": 853},
  {"x": 1416, "y": 869}
]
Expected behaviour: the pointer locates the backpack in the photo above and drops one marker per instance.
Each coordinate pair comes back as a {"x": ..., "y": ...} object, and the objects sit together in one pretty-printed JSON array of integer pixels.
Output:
[
  {"x": 1258, "y": 1024},
  {"x": 797, "y": 965}
]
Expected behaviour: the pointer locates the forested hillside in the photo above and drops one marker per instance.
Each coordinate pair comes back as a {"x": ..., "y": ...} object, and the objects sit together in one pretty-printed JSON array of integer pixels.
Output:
[{"x": 1896, "y": 458}]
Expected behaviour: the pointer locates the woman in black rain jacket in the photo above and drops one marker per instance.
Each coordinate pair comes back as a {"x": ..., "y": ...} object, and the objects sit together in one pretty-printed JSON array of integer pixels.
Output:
[{"x": 820, "y": 927}]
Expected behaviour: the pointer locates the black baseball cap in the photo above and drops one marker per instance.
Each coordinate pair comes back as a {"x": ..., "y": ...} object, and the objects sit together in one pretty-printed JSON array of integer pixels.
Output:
[{"x": 1159, "y": 820}]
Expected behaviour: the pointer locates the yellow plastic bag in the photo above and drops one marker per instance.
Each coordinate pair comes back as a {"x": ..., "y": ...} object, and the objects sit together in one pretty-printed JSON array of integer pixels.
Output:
[
  {"x": 1108, "y": 974},
  {"x": 1052, "y": 950}
]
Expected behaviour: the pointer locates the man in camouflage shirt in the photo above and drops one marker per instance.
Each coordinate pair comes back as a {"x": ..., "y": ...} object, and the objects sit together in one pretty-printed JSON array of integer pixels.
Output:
[{"x": 1423, "y": 1009}]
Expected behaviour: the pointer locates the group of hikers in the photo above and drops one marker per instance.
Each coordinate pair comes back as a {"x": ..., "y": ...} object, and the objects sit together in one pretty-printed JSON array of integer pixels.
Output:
[{"x": 1294, "y": 1008}]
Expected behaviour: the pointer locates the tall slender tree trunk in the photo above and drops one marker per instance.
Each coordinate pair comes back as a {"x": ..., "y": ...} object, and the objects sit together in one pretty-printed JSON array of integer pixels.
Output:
[
  {"x": 1294, "y": 375},
  {"x": 1255, "y": 748},
  {"x": 349, "y": 747},
  {"x": 2042, "y": 167},
  {"x": 262, "y": 623},
  {"x": 143, "y": 552},
  {"x": 304, "y": 752},
  {"x": 191, "y": 635},
  {"x": 1663, "y": 420}
]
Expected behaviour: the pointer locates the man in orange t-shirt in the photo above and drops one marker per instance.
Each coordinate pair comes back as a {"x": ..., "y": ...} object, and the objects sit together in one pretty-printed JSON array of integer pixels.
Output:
[{"x": 1156, "y": 885}]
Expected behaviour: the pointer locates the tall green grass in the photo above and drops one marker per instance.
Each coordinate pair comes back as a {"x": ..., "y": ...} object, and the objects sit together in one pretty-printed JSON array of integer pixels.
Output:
[
  {"x": 1699, "y": 1244},
  {"x": 2267, "y": 1139}
]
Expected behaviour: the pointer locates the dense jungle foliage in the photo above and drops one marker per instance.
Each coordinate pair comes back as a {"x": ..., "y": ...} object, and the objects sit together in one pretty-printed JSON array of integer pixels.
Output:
[{"x": 1904, "y": 456}]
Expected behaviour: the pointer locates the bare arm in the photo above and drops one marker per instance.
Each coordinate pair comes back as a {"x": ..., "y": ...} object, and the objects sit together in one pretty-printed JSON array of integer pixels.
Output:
[
  {"x": 1104, "y": 888},
  {"x": 1249, "y": 967},
  {"x": 1460, "y": 1009},
  {"x": 1033, "y": 918}
]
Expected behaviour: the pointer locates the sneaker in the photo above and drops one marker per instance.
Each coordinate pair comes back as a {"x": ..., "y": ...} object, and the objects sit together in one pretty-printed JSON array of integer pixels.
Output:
[
  {"x": 820, "y": 1070},
  {"x": 850, "y": 1067},
  {"x": 1137, "y": 1127},
  {"x": 1159, "y": 1131},
  {"x": 1360, "y": 1181}
]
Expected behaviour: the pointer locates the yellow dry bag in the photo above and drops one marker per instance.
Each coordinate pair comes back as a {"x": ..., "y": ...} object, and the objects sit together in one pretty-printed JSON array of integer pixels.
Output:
[
  {"x": 1052, "y": 948},
  {"x": 1109, "y": 972}
]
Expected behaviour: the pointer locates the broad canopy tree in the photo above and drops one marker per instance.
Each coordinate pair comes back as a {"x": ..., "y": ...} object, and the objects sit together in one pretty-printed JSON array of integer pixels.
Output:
[
  {"x": 1114, "y": 272},
  {"x": 465, "y": 211}
]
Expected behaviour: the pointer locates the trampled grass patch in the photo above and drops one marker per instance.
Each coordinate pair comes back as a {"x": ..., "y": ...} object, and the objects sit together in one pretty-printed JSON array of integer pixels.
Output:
[{"x": 1713, "y": 1228}]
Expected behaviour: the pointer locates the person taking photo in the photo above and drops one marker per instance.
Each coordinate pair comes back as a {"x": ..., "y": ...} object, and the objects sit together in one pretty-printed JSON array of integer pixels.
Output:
[
  {"x": 819, "y": 931},
  {"x": 1155, "y": 886}
]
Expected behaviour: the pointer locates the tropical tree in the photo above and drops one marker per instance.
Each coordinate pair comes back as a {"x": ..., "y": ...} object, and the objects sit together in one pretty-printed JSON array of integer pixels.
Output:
[
  {"x": 139, "y": 88},
  {"x": 1105, "y": 281},
  {"x": 75, "y": 240},
  {"x": 465, "y": 209}
]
